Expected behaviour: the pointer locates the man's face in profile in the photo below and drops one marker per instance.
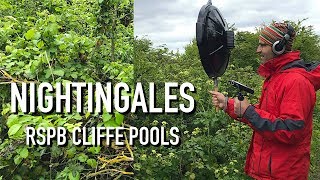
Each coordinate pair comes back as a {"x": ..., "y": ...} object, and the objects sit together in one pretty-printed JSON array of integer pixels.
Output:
[{"x": 265, "y": 52}]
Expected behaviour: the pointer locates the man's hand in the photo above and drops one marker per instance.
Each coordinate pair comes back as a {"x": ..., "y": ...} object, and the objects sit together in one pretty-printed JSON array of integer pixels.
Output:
[
  {"x": 240, "y": 106},
  {"x": 218, "y": 99}
]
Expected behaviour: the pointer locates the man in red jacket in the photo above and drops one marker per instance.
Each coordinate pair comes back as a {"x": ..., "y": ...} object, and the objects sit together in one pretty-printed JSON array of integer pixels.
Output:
[{"x": 282, "y": 120}]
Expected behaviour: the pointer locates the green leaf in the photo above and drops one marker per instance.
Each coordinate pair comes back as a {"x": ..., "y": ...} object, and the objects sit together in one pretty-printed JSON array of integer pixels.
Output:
[
  {"x": 92, "y": 163},
  {"x": 72, "y": 177},
  {"x": 9, "y": 48},
  {"x": 52, "y": 18},
  {"x": 106, "y": 117},
  {"x": 87, "y": 115},
  {"x": 17, "y": 159},
  {"x": 111, "y": 124},
  {"x": 71, "y": 152},
  {"x": 37, "y": 35},
  {"x": 119, "y": 118},
  {"x": 40, "y": 44},
  {"x": 192, "y": 176},
  {"x": 24, "y": 153},
  {"x": 58, "y": 72},
  {"x": 77, "y": 117},
  {"x": 63, "y": 47},
  {"x": 95, "y": 150},
  {"x": 25, "y": 118},
  {"x": 56, "y": 151},
  {"x": 30, "y": 34},
  {"x": 12, "y": 119},
  {"x": 74, "y": 75},
  {"x": 137, "y": 166},
  {"x": 5, "y": 110},
  {"x": 53, "y": 28},
  {"x": 47, "y": 73},
  {"x": 82, "y": 157},
  {"x": 21, "y": 63},
  {"x": 14, "y": 129}
]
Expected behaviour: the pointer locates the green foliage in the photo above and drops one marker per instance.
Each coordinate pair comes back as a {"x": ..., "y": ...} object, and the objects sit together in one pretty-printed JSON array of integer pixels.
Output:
[
  {"x": 315, "y": 158},
  {"x": 307, "y": 41},
  {"x": 205, "y": 135},
  {"x": 243, "y": 54},
  {"x": 61, "y": 41}
]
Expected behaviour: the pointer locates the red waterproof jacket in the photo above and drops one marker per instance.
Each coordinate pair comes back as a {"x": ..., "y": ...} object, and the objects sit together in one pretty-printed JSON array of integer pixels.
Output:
[{"x": 282, "y": 121}]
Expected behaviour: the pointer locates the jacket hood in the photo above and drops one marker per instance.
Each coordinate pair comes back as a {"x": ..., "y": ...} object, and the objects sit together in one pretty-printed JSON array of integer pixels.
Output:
[
  {"x": 291, "y": 62},
  {"x": 309, "y": 70}
]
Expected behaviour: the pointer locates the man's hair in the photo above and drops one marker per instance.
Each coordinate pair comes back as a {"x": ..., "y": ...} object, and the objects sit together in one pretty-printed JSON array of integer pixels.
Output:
[{"x": 275, "y": 32}]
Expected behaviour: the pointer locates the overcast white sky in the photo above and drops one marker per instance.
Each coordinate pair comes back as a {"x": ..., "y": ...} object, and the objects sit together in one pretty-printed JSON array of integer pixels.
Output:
[{"x": 172, "y": 22}]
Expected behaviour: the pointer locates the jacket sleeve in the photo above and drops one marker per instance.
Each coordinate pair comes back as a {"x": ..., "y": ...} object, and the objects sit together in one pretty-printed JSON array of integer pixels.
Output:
[
  {"x": 230, "y": 112},
  {"x": 296, "y": 106}
]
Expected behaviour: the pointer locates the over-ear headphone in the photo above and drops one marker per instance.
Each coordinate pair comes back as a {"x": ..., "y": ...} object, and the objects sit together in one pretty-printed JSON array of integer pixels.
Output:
[{"x": 279, "y": 47}]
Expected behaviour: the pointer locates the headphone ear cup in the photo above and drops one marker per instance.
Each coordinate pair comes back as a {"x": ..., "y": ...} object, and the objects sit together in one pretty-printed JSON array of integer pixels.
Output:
[{"x": 278, "y": 50}]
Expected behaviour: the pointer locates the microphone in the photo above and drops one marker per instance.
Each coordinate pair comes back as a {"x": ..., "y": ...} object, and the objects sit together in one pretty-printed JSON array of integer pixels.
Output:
[{"x": 241, "y": 87}]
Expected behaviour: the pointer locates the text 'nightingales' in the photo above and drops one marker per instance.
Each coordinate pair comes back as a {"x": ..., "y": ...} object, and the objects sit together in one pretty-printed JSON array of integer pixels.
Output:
[{"x": 92, "y": 97}]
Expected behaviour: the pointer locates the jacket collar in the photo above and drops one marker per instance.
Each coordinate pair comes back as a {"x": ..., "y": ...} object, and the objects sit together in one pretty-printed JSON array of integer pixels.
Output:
[{"x": 276, "y": 64}]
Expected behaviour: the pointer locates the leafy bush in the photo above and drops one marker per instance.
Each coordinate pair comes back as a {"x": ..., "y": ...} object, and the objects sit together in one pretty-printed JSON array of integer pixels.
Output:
[{"x": 62, "y": 41}]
